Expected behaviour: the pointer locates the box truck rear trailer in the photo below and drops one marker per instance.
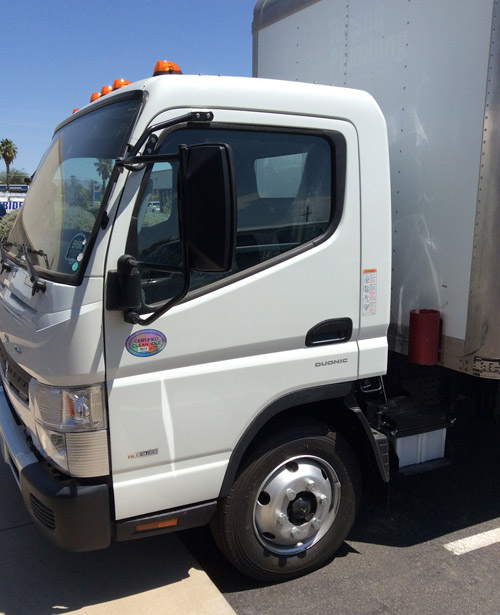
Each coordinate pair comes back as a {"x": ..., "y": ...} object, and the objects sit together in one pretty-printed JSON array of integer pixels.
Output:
[
  {"x": 204, "y": 338},
  {"x": 434, "y": 70}
]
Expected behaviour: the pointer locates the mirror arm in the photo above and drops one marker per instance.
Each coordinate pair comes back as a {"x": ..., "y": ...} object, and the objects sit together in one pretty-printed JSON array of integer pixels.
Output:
[
  {"x": 137, "y": 163},
  {"x": 135, "y": 318},
  {"x": 132, "y": 161},
  {"x": 198, "y": 166}
]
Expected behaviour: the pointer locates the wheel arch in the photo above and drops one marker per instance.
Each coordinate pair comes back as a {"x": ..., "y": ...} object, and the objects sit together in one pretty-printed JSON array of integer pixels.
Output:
[{"x": 333, "y": 404}]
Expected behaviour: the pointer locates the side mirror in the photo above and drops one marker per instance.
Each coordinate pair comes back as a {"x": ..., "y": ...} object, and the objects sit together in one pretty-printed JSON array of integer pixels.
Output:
[
  {"x": 208, "y": 213},
  {"x": 207, "y": 228}
]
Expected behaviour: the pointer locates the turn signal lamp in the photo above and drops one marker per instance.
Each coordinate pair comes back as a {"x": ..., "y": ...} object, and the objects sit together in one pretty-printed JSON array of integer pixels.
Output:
[
  {"x": 157, "y": 525},
  {"x": 106, "y": 89},
  {"x": 119, "y": 83},
  {"x": 95, "y": 96},
  {"x": 166, "y": 68}
]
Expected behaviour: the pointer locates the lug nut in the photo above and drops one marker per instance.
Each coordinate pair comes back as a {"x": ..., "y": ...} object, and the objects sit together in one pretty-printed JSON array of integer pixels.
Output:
[
  {"x": 282, "y": 518},
  {"x": 310, "y": 485},
  {"x": 323, "y": 500},
  {"x": 290, "y": 494},
  {"x": 296, "y": 532},
  {"x": 316, "y": 523}
]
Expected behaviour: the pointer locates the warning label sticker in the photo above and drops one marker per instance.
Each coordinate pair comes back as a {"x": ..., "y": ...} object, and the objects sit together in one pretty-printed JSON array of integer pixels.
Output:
[
  {"x": 486, "y": 368},
  {"x": 369, "y": 292}
]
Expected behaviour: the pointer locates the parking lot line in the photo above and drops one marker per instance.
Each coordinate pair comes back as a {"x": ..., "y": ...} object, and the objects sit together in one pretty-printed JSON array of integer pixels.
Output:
[{"x": 484, "y": 539}]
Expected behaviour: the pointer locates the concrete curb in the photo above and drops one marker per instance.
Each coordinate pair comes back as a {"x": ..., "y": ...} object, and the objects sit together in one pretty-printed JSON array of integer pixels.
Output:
[
  {"x": 195, "y": 594},
  {"x": 148, "y": 576}
]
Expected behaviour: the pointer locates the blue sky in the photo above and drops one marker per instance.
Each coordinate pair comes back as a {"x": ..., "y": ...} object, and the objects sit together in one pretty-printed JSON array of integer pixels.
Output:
[{"x": 58, "y": 52}]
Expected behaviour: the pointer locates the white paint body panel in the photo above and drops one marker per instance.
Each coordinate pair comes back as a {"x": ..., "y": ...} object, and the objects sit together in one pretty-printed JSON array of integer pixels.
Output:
[
  {"x": 233, "y": 351},
  {"x": 56, "y": 335}
]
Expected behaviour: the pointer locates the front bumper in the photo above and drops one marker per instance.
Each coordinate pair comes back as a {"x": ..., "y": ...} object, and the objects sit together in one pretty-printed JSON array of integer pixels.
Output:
[{"x": 75, "y": 517}]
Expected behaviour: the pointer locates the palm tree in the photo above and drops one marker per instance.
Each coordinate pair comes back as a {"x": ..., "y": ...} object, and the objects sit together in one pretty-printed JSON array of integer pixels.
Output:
[
  {"x": 8, "y": 151},
  {"x": 104, "y": 168}
]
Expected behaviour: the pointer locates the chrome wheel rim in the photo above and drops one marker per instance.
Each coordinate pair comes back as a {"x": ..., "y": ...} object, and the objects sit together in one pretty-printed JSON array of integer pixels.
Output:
[{"x": 296, "y": 505}]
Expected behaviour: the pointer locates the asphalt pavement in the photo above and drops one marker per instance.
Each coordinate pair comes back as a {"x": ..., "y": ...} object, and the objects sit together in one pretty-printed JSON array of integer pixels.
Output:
[{"x": 432, "y": 549}]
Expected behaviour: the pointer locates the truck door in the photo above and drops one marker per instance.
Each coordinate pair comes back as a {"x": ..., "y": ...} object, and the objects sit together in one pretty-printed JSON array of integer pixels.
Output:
[{"x": 284, "y": 319}]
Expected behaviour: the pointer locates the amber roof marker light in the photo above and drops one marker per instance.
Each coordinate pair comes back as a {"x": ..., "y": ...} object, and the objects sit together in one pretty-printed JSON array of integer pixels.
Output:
[
  {"x": 163, "y": 67},
  {"x": 120, "y": 83}
]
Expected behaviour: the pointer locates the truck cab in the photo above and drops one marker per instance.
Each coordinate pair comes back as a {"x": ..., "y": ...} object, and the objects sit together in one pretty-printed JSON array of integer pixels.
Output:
[{"x": 195, "y": 287}]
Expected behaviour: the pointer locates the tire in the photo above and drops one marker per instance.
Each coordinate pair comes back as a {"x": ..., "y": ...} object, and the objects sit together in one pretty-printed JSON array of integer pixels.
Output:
[{"x": 291, "y": 506}]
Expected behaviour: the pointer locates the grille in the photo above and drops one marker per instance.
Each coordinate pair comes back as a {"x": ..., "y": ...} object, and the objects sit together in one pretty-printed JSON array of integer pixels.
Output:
[{"x": 43, "y": 513}]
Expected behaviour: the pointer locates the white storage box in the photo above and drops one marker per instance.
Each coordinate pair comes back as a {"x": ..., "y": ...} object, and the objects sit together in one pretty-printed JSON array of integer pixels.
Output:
[{"x": 421, "y": 447}]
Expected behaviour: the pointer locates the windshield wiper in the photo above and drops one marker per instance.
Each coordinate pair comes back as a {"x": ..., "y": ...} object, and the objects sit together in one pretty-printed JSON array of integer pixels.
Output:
[
  {"x": 37, "y": 253},
  {"x": 4, "y": 260},
  {"x": 21, "y": 246},
  {"x": 38, "y": 285}
]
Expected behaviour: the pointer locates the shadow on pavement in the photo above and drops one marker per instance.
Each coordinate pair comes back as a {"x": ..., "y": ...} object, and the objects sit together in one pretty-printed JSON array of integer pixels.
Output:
[
  {"x": 37, "y": 578},
  {"x": 436, "y": 503},
  {"x": 419, "y": 508}
]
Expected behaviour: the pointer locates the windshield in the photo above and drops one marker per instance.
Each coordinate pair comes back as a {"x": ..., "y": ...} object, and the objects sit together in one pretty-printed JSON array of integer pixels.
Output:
[{"x": 59, "y": 215}]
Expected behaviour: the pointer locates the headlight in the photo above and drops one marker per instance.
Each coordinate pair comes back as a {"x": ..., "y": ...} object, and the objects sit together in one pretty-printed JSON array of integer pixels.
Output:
[
  {"x": 71, "y": 426},
  {"x": 71, "y": 409}
]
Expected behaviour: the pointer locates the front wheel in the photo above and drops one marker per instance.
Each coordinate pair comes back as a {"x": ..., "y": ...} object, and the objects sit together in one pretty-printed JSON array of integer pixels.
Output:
[{"x": 292, "y": 505}]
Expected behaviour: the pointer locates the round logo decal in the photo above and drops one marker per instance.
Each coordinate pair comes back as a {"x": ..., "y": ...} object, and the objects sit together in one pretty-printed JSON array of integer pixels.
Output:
[{"x": 146, "y": 343}]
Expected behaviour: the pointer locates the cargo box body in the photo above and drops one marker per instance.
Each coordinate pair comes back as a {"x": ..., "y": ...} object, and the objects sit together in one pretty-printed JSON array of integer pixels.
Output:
[{"x": 434, "y": 70}]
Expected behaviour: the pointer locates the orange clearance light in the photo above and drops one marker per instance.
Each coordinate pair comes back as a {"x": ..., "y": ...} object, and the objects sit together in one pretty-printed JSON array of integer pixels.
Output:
[
  {"x": 106, "y": 89},
  {"x": 166, "y": 68},
  {"x": 75, "y": 110},
  {"x": 119, "y": 83},
  {"x": 157, "y": 525},
  {"x": 95, "y": 96}
]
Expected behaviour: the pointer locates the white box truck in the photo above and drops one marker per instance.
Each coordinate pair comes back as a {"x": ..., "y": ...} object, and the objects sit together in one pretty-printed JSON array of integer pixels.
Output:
[{"x": 217, "y": 357}]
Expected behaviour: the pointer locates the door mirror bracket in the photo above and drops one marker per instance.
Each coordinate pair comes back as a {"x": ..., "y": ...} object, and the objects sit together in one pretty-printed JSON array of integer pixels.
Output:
[{"x": 207, "y": 228}]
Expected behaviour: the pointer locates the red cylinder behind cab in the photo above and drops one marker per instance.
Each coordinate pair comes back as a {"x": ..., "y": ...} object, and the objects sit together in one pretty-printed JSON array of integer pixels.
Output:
[{"x": 423, "y": 345}]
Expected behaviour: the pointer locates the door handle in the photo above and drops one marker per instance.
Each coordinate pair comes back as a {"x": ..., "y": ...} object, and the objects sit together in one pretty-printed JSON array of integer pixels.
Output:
[{"x": 333, "y": 331}]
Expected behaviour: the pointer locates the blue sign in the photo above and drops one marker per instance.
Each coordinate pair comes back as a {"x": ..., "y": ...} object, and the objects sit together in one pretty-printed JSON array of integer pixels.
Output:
[{"x": 11, "y": 205}]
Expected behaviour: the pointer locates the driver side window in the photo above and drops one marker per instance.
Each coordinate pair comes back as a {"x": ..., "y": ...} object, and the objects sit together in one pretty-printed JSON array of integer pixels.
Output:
[{"x": 284, "y": 191}]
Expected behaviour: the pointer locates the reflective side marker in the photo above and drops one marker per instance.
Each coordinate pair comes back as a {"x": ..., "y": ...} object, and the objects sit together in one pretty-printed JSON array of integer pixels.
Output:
[{"x": 157, "y": 525}]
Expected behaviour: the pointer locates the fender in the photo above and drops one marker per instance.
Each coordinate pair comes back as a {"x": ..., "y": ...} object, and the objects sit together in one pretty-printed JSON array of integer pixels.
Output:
[{"x": 378, "y": 441}]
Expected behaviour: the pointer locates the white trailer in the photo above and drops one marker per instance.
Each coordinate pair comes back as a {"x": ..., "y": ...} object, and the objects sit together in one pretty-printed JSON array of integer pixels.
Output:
[{"x": 434, "y": 69}]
